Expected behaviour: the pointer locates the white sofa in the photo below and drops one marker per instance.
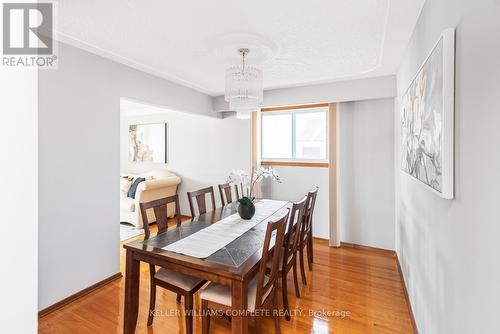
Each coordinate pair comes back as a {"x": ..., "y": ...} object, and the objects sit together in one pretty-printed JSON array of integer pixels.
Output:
[{"x": 158, "y": 184}]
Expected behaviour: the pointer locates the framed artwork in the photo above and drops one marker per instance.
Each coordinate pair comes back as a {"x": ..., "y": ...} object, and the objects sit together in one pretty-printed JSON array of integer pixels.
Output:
[
  {"x": 427, "y": 120},
  {"x": 147, "y": 143}
]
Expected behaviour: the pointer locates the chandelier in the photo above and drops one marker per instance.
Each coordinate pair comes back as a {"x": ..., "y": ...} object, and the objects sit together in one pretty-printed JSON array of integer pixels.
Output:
[{"x": 244, "y": 90}]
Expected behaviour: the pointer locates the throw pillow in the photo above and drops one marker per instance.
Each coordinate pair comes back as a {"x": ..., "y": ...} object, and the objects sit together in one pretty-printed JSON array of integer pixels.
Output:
[
  {"x": 133, "y": 187},
  {"x": 125, "y": 183}
]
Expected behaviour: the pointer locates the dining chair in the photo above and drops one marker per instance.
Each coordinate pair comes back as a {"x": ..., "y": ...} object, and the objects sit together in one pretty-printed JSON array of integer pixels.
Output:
[
  {"x": 261, "y": 288},
  {"x": 200, "y": 196},
  {"x": 226, "y": 189},
  {"x": 181, "y": 284},
  {"x": 288, "y": 258},
  {"x": 306, "y": 240}
]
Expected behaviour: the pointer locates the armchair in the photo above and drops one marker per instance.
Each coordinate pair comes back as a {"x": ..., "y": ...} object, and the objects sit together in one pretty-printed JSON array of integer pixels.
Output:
[{"x": 158, "y": 184}]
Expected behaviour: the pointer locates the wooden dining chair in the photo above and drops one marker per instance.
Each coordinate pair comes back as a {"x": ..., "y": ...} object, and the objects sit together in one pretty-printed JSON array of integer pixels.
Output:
[
  {"x": 261, "y": 288},
  {"x": 306, "y": 239},
  {"x": 226, "y": 189},
  {"x": 181, "y": 284},
  {"x": 288, "y": 258},
  {"x": 200, "y": 196}
]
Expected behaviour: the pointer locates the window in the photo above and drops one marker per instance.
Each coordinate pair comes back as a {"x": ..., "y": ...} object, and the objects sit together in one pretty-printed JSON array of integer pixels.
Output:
[
  {"x": 277, "y": 136},
  {"x": 310, "y": 135},
  {"x": 298, "y": 135}
]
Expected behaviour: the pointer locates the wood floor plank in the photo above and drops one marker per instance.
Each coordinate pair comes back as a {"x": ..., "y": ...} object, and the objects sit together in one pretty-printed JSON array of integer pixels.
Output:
[{"x": 350, "y": 291}]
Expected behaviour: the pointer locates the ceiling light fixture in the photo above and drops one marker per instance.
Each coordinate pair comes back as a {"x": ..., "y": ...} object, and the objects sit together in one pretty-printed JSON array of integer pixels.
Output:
[{"x": 244, "y": 88}]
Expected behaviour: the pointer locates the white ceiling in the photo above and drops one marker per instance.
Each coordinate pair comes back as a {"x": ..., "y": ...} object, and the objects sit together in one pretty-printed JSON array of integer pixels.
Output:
[{"x": 294, "y": 42}]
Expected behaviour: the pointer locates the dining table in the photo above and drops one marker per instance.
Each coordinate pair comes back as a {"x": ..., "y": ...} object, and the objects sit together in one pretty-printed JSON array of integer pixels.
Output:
[{"x": 233, "y": 265}]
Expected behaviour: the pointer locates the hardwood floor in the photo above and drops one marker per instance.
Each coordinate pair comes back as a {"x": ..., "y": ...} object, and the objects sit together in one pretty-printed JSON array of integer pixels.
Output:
[{"x": 350, "y": 291}]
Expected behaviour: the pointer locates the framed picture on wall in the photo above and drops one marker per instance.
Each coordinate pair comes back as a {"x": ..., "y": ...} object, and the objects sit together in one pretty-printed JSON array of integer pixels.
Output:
[
  {"x": 427, "y": 119},
  {"x": 148, "y": 143}
]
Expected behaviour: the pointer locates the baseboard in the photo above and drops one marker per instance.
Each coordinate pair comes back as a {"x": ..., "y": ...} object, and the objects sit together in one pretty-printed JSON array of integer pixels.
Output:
[
  {"x": 413, "y": 322},
  {"x": 77, "y": 295},
  {"x": 368, "y": 248}
]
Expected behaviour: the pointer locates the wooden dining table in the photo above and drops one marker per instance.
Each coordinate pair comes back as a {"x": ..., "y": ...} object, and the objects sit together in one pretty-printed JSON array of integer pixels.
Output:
[{"x": 233, "y": 265}]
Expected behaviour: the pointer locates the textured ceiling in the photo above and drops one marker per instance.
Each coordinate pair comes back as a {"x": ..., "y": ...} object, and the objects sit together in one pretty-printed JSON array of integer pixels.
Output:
[{"x": 293, "y": 42}]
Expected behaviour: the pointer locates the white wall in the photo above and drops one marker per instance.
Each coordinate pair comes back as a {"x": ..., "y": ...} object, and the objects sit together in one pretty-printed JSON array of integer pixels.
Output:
[
  {"x": 202, "y": 150},
  {"x": 366, "y": 185},
  {"x": 449, "y": 249},
  {"x": 301, "y": 179},
  {"x": 296, "y": 182},
  {"x": 79, "y": 131},
  {"x": 18, "y": 200},
  {"x": 340, "y": 91}
]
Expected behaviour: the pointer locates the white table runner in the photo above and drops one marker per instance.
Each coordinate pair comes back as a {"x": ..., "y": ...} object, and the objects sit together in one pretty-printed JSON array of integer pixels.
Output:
[{"x": 204, "y": 243}]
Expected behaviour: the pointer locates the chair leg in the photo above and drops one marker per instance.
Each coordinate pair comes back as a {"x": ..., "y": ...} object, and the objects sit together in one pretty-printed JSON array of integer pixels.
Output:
[
  {"x": 309, "y": 251},
  {"x": 302, "y": 270},
  {"x": 178, "y": 298},
  {"x": 285, "y": 295},
  {"x": 205, "y": 320},
  {"x": 188, "y": 307},
  {"x": 275, "y": 312},
  {"x": 295, "y": 278},
  {"x": 152, "y": 302}
]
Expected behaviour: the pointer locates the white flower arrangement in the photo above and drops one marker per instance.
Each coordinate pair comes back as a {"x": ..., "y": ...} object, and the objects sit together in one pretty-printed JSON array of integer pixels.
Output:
[{"x": 241, "y": 177}]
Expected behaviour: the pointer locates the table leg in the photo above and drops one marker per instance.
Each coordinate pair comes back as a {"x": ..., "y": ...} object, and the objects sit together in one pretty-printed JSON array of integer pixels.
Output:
[
  {"x": 131, "y": 306},
  {"x": 239, "y": 295}
]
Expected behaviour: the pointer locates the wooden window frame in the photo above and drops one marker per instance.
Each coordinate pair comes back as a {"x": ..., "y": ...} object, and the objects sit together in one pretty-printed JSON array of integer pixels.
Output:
[{"x": 296, "y": 162}]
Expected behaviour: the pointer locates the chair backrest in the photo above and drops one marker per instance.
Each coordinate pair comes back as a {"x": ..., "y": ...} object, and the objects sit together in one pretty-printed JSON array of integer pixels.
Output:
[
  {"x": 295, "y": 221},
  {"x": 268, "y": 278},
  {"x": 159, "y": 207},
  {"x": 225, "y": 189},
  {"x": 309, "y": 211},
  {"x": 200, "y": 200}
]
